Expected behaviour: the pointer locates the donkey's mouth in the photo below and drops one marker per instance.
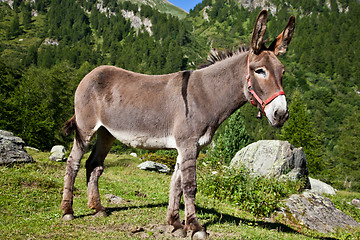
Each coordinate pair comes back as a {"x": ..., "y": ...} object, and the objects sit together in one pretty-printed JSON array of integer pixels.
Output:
[
  {"x": 279, "y": 122},
  {"x": 277, "y": 112}
]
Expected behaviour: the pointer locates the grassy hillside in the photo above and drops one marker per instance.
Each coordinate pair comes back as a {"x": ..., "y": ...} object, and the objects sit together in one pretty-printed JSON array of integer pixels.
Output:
[{"x": 30, "y": 196}]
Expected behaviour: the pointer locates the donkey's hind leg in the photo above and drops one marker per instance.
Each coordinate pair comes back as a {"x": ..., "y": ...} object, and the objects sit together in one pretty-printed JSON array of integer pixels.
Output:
[
  {"x": 72, "y": 168},
  {"x": 189, "y": 153},
  {"x": 95, "y": 167}
]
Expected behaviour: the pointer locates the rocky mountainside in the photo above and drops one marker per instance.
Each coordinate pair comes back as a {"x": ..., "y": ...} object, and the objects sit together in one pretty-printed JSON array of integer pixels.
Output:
[{"x": 163, "y": 6}]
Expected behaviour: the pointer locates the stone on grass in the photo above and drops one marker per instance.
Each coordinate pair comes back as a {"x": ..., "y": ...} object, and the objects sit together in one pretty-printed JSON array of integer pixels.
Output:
[
  {"x": 153, "y": 166},
  {"x": 113, "y": 199},
  {"x": 12, "y": 149},
  {"x": 321, "y": 187},
  {"x": 133, "y": 154},
  {"x": 58, "y": 153},
  {"x": 356, "y": 202}
]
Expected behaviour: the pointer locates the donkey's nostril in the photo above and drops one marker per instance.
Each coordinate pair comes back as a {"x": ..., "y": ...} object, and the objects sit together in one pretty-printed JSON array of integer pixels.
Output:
[
  {"x": 281, "y": 115},
  {"x": 276, "y": 113}
]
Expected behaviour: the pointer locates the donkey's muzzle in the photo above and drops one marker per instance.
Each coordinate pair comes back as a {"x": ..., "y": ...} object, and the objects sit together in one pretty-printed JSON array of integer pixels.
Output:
[{"x": 280, "y": 117}]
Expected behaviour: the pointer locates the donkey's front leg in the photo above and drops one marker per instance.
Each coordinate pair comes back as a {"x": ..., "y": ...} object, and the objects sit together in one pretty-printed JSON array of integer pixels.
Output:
[{"x": 189, "y": 188}]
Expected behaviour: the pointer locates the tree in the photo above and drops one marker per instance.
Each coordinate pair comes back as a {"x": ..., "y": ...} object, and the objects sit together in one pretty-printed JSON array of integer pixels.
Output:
[
  {"x": 14, "y": 29},
  {"x": 41, "y": 103},
  {"x": 299, "y": 131},
  {"x": 231, "y": 140},
  {"x": 26, "y": 16},
  {"x": 31, "y": 56},
  {"x": 346, "y": 159},
  {"x": 174, "y": 58}
]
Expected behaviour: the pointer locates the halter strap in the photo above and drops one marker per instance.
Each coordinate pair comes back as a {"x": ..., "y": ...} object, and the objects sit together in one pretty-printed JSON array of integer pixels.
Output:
[{"x": 253, "y": 93}]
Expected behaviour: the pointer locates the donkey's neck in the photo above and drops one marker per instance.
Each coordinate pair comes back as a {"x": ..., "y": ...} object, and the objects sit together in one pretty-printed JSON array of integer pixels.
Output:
[{"x": 223, "y": 85}]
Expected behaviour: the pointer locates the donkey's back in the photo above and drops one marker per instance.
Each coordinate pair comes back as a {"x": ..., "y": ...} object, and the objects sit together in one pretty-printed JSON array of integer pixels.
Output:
[{"x": 135, "y": 108}]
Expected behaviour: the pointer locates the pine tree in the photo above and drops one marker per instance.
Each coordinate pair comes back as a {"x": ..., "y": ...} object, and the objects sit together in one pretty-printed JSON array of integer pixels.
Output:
[
  {"x": 14, "y": 29},
  {"x": 231, "y": 140},
  {"x": 26, "y": 16},
  {"x": 299, "y": 131},
  {"x": 347, "y": 152}
]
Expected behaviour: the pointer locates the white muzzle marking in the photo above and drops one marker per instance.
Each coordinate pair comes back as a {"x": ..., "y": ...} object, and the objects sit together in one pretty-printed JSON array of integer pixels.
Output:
[{"x": 276, "y": 110}]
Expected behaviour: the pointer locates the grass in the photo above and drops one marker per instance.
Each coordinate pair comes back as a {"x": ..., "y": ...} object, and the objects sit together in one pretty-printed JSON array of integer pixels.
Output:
[{"x": 30, "y": 196}]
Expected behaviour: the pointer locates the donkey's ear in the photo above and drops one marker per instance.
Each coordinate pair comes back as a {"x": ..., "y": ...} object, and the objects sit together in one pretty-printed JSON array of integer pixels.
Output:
[
  {"x": 259, "y": 32},
  {"x": 281, "y": 43}
]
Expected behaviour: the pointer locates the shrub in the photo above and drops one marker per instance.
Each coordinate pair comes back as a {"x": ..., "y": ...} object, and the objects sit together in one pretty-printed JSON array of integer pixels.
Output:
[
  {"x": 258, "y": 195},
  {"x": 231, "y": 140}
]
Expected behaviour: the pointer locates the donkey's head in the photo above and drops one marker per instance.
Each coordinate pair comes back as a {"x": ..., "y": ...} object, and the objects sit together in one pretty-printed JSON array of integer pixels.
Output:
[{"x": 265, "y": 71}]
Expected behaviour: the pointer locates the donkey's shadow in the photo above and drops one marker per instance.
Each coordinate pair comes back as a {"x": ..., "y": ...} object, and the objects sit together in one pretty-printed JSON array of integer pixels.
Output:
[
  {"x": 227, "y": 218},
  {"x": 218, "y": 218}
]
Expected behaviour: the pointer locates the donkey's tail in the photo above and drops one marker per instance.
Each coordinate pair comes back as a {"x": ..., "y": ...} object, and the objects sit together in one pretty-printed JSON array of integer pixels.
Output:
[{"x": 71, "y": 126}]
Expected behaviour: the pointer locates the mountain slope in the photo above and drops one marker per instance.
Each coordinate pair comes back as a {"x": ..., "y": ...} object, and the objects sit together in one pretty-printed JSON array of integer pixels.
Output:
[{"x": 163, "y": 6}]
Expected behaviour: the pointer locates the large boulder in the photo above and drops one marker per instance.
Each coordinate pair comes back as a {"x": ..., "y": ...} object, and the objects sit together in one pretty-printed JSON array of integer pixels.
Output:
[
  {"x": 316, "y": 212},
  {"x": 273, "y": 158},
  {"x": 12, "y": 149}
]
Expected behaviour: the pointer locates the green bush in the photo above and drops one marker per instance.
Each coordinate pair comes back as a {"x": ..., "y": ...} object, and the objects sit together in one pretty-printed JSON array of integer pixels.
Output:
[
  {"x": 258, "y": 195},
  {"x": 230, "y": 141}
]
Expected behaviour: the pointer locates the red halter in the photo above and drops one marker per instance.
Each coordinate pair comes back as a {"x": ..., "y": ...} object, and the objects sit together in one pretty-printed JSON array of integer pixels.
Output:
[{"x": 253, "y": 93}]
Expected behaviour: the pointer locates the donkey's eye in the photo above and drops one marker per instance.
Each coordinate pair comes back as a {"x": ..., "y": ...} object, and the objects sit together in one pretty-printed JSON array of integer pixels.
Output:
[{"x": 261, "y": 72}]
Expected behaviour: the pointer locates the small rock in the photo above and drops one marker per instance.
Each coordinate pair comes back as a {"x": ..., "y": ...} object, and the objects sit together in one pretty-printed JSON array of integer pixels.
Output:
[
  {"x": 139, "y": 194},
  {"x": 153, "y": 166},
  {"x": 200, "y": 235},
  {"x": 115, "y": 199},
  {"x": 133, "y": 154},
  {"x": 356, "y": 202},
  {"x": 58, "y": 153},
  {"x": 321, "y": 187},
  {"x": 32, "y": 148},
  {"x": 137, "y": 229}
]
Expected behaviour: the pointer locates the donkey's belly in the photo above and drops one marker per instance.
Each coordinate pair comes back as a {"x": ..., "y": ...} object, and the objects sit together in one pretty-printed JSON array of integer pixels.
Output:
[{"x": 143, "y": 140}]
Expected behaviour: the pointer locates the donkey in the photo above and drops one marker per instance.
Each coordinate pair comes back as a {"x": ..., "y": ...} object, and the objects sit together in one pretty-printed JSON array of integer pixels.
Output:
[{"x": 179, "y": 111}]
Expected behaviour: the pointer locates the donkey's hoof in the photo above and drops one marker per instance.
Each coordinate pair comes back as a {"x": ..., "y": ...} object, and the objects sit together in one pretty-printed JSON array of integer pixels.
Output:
[
  {"x": 200, "y": 235},
  {"x": 179, "y": 233},
  {"x": 68, "y": 217},
  {"x": 100, "y": 214}
]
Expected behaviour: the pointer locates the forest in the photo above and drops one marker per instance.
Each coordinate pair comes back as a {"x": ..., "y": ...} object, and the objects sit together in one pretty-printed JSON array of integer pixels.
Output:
[{"x": 48, "y": 46}]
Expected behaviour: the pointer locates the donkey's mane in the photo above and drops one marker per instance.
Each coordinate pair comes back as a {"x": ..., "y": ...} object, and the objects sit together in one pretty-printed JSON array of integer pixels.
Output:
[{"x": 216, "y": 55}]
